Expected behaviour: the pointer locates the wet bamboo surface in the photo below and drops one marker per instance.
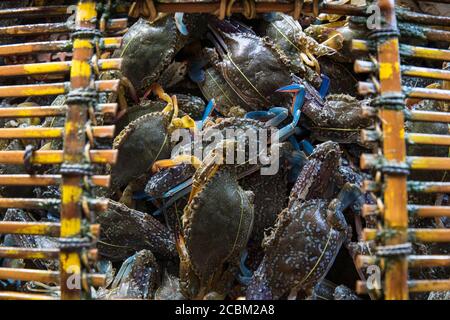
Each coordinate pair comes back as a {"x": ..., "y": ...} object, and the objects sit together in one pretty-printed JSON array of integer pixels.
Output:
[
  {"x": 50, "y": 133},
  {"x": 29, "y": 253},
  {"x": 11, "y": 295},
  {"x": 408, "y": 51},
  {"x": 52, "y": 28},
  {"x": 52, "y": 67},
  {"x": 362, "y": 66},
  {"x": 56, "y": 156},
  {"x": 48, "y": 111},
  {"x": 109, "y": 43},
  {"x": 30, "y": 90},
  {"x": 414, "y": 261},
  {"x": 414, "y": 234},
  {"x": 414, "y": 286},
  {"x": 44, "y": 276},
  {"x": 46, "y": 180}
]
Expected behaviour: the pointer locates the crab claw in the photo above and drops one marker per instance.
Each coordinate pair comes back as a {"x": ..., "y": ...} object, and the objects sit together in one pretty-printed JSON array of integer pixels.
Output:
[
  {"x": 180, "y": 24},
  {"x": 324, "y": 86},
  {"x": 293, "y": 88},
  {"x": 208, "y": 110},
  {"x": 246, "y": 274}
]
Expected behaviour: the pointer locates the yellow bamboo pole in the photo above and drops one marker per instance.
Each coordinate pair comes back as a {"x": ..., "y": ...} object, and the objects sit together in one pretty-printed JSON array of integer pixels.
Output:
[
  {"x": 60, "y": 27},
  {"x": 50, "y": 133},
  {"x": 394, "y": 149},
  {"x": 414, "y": 261},
  {"x": 46, "y": 180},
  {"x": 419, "y": 235},
  {"x": 109, "y": 43},
  {"x": 11, "y": 295},
  {"x": 29, "y": 253},
  {"x": 34, "y": 228},
  {"x": 48, "y": 111},
  {"x": 55, "y": 156},
  {"x": 408, "y": 51},
  {"x": 74, "y": 143},
  {"x": 30, "y": 90},
  {"x": 433, "y": 139},
  {"x": 431, "y": 116},
  {"x": 45, "y": 276},
  {"x": 52, "y": 67}
]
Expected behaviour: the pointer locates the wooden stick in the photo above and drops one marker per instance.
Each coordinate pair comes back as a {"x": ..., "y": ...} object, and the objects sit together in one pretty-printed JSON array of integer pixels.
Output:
[
  {"x": 50, "y": 133},
  {"x": 55, "y": 156},
  {"x": 46, "y": 180},
  {"x": 49, "y": 111},
  {"x": 44, "y": 276},
  {"x": 52, "y": 67},
  {"x": 11, "y": 295},
  {"x": 424, "y": 211},
  {"x": 429, "y": 285},
  {"x": 413, "y": 286},
  {"x": 30, "y": 90},
  {"x": 32, "y": 228},
  {"x": 428, "y": 261},
  {"x": 29, "y": 253},
  {"x": 431, "y": 116},
  {"x": 362, "y": 66},
  {"x": 428, "y": 163},
  {"x": 408, "y": 51},
  {"x": 60, "y": 27},
  {"x": 429, "y": 187},
  {"x": 111, "y": 43},
  {"x": 34, "y": 12},
  {"x": 433, "y": 139},
  {"x": 419, "y": 235}
]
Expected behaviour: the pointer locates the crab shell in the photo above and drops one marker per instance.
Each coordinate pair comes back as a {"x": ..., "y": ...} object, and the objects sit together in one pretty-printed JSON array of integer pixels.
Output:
[
  {"x": 215, "y": 87},
  {"x": 318, "y": 176},
  {"x": 142, "y": 142},
  {"x": 164, "y": 180},
  {"x": 286, "y": 33},
  {"x": 339, "y": 119},
  {"x": 148, "y": 49},
  {"x": 216, "y": 226},
  {"x": 139, "y": 281},
  {"x": 125, "y": 231},
  {"x": 298, "y": 253},
  {"x": 255, "y": 69}
]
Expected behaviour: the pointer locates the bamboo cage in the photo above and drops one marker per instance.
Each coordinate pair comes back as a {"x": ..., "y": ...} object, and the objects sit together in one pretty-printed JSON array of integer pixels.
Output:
[
  {"x": 394, "y": 255},
  {"x": 75, "y": 236}
]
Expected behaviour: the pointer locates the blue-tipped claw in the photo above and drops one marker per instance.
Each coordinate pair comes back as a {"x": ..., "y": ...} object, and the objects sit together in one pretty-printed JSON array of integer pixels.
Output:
[
  {"x": 325, "y": 86},
  {"x": 307, "y": 147},
  {"x": 174, "y": 194},
  {"x": 180, "y": 24},
  {"x": 294, "y": 143},
  {"x": 207, "y": 113}
]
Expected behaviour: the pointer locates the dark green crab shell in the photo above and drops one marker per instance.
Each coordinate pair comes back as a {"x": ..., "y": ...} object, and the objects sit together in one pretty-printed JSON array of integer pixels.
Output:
[
  {"x": 217, "y": 224},
  {"x": 125, "y": 231},
  {"x": 140, "y": 144},
  {"x": 298, "y": 253},
  {"x": 148, "y": 48},
  {"x": 255, "y": 69},
  {"x": 215, "y": 87}
]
